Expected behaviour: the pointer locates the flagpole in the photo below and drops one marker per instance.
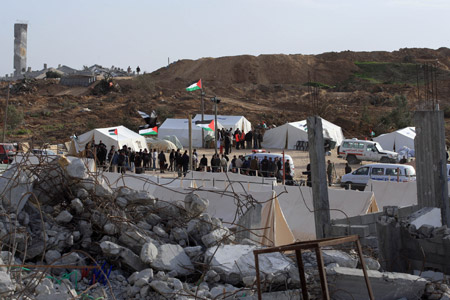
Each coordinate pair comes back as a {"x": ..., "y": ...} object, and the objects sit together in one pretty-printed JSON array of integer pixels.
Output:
[
  {"x": 190, "y": 141},
  {"x": 203, "y": 114}
]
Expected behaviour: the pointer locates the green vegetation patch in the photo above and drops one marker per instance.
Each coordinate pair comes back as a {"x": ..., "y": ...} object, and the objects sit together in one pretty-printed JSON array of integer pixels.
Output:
[
  {"x": 318, "y": 85},
  {"x": 387, "y": 73}
]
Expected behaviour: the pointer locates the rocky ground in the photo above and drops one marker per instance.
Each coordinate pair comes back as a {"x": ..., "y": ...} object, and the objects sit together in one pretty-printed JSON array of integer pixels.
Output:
[{"x": 66, "y": 234}]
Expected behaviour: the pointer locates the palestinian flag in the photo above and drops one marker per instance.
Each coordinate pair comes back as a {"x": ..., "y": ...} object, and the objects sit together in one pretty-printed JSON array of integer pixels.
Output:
[
  {"x": 194, "y": 86},
  {"x": 206, "y": 125},
  {"x": 149, "y": 131},
  {"x": 112, "y": 131}
]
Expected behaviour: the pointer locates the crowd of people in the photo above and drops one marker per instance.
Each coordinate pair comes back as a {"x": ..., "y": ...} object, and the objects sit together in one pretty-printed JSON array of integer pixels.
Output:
[
  {"x": 125, "y": 159},
  {"x": 241, "y": 140}
]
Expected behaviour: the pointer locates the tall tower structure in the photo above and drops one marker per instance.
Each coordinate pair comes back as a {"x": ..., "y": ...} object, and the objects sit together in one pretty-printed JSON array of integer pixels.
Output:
[{"x": 20, "y": 48}]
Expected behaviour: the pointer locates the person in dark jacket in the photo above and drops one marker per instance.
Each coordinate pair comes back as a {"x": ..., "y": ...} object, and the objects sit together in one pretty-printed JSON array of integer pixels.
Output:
[
  {"x": 264, "y": 166},
  {"x": 121, "y": 162},
  {"x": 171, "y": 159},
  {"x": 249, "y": 139},
  {"x": 162, "y": 161},
  {"x": 146, "y": 159},
  {"x": 185, "y": 162},
  {"x": 203, "y": 163},
  {"x": 348, "y": 169}
]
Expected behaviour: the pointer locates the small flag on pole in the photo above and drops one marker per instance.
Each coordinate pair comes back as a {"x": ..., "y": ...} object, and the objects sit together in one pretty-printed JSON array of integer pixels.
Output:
[
  {"x": 206, "y": 125},
  {"x": 149, "y": 131},
  {"x": 112, "y": 131},
  {"x": 195, "y": 86}
]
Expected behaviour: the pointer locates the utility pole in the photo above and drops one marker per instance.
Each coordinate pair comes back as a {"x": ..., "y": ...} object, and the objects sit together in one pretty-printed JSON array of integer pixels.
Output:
[
  {"x": 6, "y": 114},
  {"x": 190, "y": 141},
  {"x": 318, "y": 176},
  {"x": 216, "y": 101},
  {"x": 202, "y": 93}
]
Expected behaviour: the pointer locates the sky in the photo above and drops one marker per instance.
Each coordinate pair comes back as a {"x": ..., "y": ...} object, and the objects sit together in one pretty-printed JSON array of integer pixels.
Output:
[{"x": 149, "y": 32}]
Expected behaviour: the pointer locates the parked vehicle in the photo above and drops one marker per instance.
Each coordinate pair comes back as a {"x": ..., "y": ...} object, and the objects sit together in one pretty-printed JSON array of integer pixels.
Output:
[
  {"x": 385, "y": 172},
  {"x": 43, "y": 152},
  {"x": 7, "y": 152},
  {"x": 355, "y": 151}
]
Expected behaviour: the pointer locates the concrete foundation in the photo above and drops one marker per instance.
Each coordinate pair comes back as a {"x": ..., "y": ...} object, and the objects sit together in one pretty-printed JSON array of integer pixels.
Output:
[{"x": 347, "y": 283}]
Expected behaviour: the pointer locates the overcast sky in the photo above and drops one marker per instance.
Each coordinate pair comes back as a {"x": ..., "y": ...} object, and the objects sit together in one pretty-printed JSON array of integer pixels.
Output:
[{"x": 148, "y": 32}]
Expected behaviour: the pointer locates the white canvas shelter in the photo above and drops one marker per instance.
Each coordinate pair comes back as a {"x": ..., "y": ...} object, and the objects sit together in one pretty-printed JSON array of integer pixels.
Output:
[
  {"x": 124, "y": 137},
  {"x": 180, "y": 129},
  {"x": 396, "y": 140},
  {"x": 228, "y": 122},
  {"x": 287, "y": 135}
]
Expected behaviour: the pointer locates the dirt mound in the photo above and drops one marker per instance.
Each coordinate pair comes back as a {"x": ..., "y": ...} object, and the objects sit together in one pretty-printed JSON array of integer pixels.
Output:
[{"x": 356, "y": 89}]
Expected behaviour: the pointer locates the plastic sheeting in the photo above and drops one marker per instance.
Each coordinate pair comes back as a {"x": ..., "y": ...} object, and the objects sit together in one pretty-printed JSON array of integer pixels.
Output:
[
  {"x": 228, "y": 122},
  {"x": 394, "y": 141},
  {"x": 391, "y": 193},
  {"x": 158, "y": 144},
  {"x": 287, "y": 135},
  {"x": 276, "y": 231},
  {"x": 297, "y": 206},
  {"x": 180, "y": 129},
  {"x": 124, "y": 137},
  {"x": 174, "y": 140}
]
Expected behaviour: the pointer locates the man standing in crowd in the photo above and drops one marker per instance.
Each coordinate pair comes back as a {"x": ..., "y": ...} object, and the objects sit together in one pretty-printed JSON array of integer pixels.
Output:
[
  {"x": 162, "y": 161},
  {"x": 330, "y": 173}
]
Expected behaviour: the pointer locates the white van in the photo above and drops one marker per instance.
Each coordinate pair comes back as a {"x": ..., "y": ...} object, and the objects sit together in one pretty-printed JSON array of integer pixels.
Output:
[
  {"x": 355, "y": 151},
  {"x": 384, "y": 172},
  {"x": 261, "y": 156}
]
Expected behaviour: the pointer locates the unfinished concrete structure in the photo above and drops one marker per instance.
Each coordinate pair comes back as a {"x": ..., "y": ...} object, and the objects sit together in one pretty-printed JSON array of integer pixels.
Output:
[
  {"x": 318, "y": 176},
  {"x": 20, "y": 48},
  {"x": 431, "y": 162}
]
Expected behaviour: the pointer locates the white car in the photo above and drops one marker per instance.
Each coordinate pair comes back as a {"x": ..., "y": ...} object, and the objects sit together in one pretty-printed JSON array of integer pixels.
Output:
[
  {"x": 355, "y": 151},
  {"x": 385, "y": 172}
]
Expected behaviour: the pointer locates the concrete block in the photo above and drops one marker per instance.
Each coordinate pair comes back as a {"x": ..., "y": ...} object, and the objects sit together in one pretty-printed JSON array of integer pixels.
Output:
[
  {"x": 370, "y": 241},
  {"x": 370, "y": 218},
  {"x": 361, "y": 230},
  {"x": 339, "y": 230},
  {"x": 372, "y": 229},
  {"x": 344, "y": 282}
]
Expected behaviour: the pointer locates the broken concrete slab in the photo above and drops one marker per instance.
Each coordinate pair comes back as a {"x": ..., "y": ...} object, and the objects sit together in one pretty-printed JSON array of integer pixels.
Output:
[
  {"x": 172, "y": 257},
  {"x": 149, "y": 253},
  {"x": 348, "y": 283},
  {"x": 234, "y": 262},
  {"x": 6, "y": 285},
  {"x": 426, "y": 216},
  {"x": 15, "y": 185},
  {"x": 194, "y": 204},
  {"x": 127, "y": 256},
  {"x": 339, "y": 257}
]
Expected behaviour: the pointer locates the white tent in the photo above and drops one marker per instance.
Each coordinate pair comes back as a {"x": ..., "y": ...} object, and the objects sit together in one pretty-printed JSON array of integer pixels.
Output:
[
  {"x": 396, "y": 140},
  {"x": 287, "y": 135},
  {"x": 228, "y": 121},
  {"x": 124, "y": 137},
  {"x": 180, "y": 129}
]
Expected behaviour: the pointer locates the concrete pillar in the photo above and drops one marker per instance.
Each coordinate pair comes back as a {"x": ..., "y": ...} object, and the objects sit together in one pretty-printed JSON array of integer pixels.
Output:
[
  {"x": 431, "y": 162},
  {"x": 20, "y": 48},
  {"x": 45, "y": 66},
  {"x": 318, "y": 176}
]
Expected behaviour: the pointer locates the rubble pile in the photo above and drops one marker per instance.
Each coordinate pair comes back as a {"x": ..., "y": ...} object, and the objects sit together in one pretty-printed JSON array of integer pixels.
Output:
[{"x": 66, "y": 233}]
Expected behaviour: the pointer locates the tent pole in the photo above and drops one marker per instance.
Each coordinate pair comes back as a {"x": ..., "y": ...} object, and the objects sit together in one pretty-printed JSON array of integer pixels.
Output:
[{"x": 190, "y": 141}]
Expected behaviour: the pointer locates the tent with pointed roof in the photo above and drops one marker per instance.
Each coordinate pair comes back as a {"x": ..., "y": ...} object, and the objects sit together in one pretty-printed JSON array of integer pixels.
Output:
[
  {"x": 123, "y": 137},
  {"x": 286, "y": 136},
  {"x": 180, "y": 129},
  {"x": 396, "y": 140}
]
